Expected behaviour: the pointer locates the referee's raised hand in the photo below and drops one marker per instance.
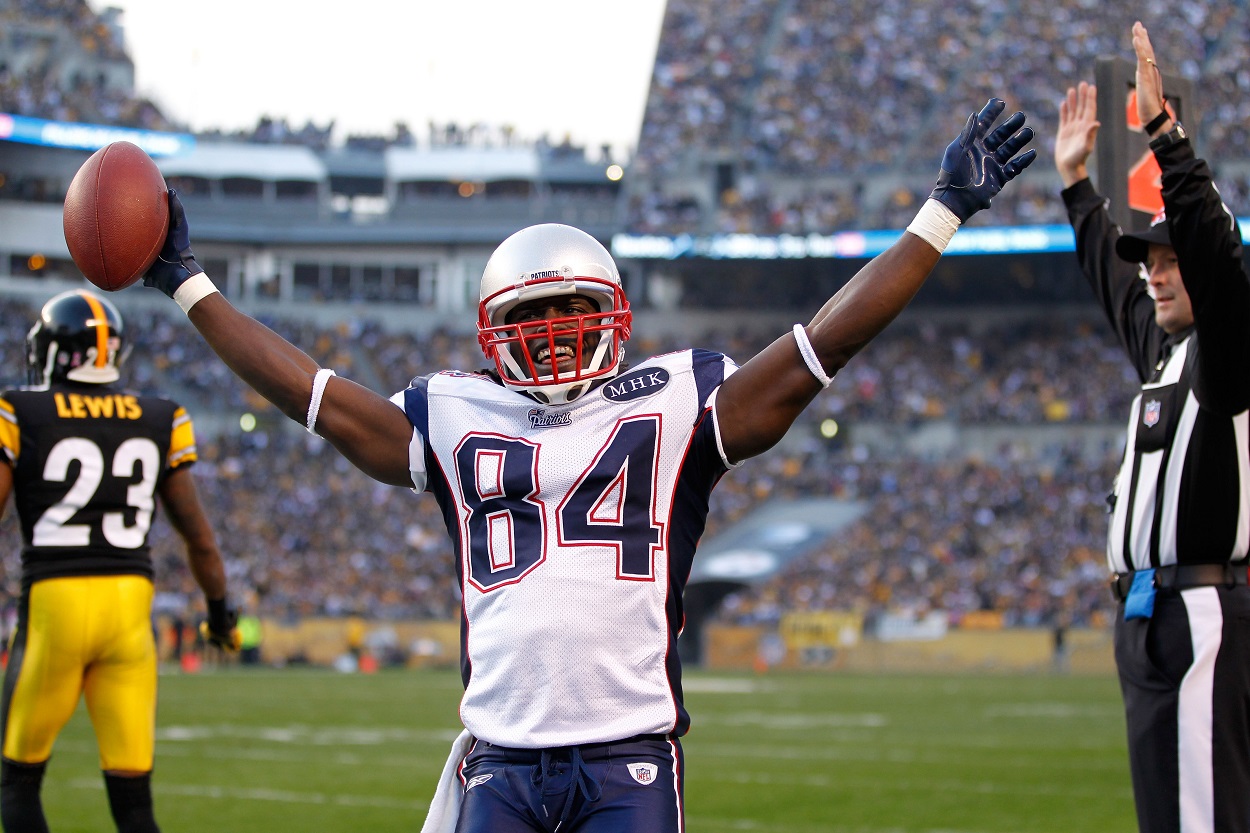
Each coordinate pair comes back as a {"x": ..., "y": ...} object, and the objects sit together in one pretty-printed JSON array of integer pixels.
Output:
[{"x": 1078, "y": 129}]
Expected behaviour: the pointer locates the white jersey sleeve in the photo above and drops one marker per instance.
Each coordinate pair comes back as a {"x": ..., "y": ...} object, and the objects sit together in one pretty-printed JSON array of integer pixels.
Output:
[{"x": 416, "y": 447}]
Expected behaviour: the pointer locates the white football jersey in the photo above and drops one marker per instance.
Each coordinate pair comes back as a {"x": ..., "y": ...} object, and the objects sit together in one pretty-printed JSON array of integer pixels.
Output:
[{"x": 575, "y": 528}]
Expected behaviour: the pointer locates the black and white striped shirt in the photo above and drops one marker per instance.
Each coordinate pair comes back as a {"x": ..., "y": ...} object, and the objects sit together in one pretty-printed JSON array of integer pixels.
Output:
[{"x": 1183, "y": 492}]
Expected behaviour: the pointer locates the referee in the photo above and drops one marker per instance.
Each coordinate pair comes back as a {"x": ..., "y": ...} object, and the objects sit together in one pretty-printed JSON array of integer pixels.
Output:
[{"x": 1178, "y": 296}]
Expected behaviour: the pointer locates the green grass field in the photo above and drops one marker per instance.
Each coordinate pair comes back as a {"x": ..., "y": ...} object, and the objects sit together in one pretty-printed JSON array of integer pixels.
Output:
[{"x": 307, "y": 750}]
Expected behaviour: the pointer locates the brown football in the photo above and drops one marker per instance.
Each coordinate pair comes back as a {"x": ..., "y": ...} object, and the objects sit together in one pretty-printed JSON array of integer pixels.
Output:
[{"x": 116, "y": 215}]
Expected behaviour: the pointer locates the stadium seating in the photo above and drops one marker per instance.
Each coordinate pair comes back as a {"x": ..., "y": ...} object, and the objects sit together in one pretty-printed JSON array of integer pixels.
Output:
[
  {"x": 788, "y": 117},
  {"x": 288, "y": 508}
]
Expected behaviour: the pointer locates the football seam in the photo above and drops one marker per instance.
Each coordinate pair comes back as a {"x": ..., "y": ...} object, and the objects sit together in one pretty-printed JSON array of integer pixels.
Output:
[{"x": 99, "y": 236}]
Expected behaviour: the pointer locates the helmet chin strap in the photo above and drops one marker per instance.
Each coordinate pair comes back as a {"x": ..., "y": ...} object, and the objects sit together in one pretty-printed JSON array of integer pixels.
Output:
[{"x": 45, "y": 377}]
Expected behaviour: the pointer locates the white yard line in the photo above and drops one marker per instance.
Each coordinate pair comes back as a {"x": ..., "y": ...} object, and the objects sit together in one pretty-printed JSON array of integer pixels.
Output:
[{"x": 278, "y": 796}]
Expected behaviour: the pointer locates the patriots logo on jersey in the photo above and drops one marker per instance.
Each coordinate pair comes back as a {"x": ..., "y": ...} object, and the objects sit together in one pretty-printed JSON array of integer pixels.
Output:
[
  {"x": 540, "y": 418},
  {"x": 642, "y": 383},
  {"x": 643, "y": 773},
  {"x": 1151, "y": 416}
]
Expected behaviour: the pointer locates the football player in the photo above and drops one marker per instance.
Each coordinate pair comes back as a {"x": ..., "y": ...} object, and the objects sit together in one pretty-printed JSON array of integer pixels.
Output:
[
  {"x": 86, "y": 461},
  {"x": 575, "y": 489}
]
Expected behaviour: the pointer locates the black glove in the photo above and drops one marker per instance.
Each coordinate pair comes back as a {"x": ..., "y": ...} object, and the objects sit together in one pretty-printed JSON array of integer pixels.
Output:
[
  {"x": 175, "y": 263},
  {"x": 975, "y": 166},
  {"x": 221, "y": 628}
]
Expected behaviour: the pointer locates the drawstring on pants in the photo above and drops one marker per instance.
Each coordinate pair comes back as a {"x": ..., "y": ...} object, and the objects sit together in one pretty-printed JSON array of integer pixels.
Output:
[{"x": 580, "y": 780}]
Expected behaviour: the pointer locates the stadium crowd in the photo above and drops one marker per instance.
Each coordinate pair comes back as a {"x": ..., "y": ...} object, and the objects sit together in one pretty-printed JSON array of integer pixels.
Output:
[
  {"x": 749, "y": 83},
  {"x": 1007, "y": 372},
  {"x": 1016, "y": 533},
  {"x": 752, "y": 85},
  {"x": 37, "y": 90}
]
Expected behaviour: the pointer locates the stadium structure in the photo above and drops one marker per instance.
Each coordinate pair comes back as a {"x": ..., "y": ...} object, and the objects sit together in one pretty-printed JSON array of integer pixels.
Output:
[{"x": 766, "y": 173}]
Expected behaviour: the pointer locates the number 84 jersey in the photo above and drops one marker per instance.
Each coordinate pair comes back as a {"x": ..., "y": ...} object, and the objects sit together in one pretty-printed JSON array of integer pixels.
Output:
[{"x": 575, "y": 528}]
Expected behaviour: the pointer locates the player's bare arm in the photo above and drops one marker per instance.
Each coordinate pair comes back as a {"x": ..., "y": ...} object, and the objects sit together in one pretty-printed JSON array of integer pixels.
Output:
[
  {"x": 364, "y": 426},
  {"x": 758, "y": 404},
  {"x": 182, "y": 505},
  {"x": 186, "y": 514}
]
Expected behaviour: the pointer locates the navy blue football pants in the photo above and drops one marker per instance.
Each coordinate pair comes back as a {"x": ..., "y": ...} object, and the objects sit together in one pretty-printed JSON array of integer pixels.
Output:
[
  {"x": 620, "y": 787},
  {"x": 1185, "y": 677}
]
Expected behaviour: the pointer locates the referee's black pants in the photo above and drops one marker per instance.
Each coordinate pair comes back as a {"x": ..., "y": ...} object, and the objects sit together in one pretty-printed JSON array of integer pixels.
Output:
[{"x": 1185, "y": 677}]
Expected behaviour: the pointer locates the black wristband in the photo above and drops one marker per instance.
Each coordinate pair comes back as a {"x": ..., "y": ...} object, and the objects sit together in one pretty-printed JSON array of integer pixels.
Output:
[
  {"x": 1166, "y": 140},
  {"x": 1157, "y": 122},
  {"x": 217, "y": 610}
]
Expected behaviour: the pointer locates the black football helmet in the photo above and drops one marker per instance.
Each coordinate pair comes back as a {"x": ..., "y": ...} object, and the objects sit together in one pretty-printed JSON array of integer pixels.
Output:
[{"x": 79, "y": 337}]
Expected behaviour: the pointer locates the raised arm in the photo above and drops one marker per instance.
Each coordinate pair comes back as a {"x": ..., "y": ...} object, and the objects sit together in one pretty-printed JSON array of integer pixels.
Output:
[
  {"x": 364, "y": 426},
  {"x": 1077, "y": 133},
  {"x": 1208, "y": 246},
  {"x": 758, "y": 404}
]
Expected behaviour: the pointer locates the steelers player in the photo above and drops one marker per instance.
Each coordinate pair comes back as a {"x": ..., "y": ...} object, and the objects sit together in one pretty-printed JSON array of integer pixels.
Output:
[{"x": 86, "y": 462}]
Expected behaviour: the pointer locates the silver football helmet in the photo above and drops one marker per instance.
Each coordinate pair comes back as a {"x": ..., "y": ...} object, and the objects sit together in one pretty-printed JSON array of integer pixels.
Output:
[{"x": 546, "y": 261}]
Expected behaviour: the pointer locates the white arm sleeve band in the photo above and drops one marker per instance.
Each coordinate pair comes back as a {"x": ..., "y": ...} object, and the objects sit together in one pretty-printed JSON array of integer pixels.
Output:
[
  {"x": 193, "y": 290},
  {"x": 809, "y": 356},
  {"x": 936, "y": 224},
  {"x": 318, "y": 390}
]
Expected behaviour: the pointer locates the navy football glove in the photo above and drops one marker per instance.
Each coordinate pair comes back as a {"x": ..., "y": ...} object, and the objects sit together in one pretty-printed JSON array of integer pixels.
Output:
[
  {"x": 221, "y": 629},
  {"x": 175, "y": 263},
  {"x": 975, "y": 166}
]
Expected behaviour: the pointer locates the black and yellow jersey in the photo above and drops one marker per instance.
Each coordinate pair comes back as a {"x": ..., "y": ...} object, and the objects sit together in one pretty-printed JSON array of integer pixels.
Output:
[{"x": 87, "y": 461}]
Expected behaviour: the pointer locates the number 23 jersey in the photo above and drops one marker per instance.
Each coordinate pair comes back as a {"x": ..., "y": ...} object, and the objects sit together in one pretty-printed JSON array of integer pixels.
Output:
[
  {"x": 575, "y": 527},
  {"x": 87, "y": 461}
]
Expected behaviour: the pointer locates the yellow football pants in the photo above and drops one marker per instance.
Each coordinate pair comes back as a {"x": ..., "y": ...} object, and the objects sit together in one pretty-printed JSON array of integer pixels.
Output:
[{"x": 84, "y": 636}]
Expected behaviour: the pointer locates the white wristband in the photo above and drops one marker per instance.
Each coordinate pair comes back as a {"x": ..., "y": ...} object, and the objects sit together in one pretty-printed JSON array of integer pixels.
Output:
[
  {"x": 809, "y": 356},
  {"x": 314, "y": 405},
  {"x": 193, "y": 290},
  {"x": 935, "y": 224}
]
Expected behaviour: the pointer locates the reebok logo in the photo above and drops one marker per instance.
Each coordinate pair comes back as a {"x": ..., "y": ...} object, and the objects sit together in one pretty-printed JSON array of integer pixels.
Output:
[
  {"x": 478, "y": 779},
  {"x": 643, "y": 773}
]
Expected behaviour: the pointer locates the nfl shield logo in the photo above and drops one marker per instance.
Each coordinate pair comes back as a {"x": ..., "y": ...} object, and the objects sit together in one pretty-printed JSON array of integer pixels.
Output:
[
  {"x": 1151, "y": 417},
  {"x": 643, "y": 773}
]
